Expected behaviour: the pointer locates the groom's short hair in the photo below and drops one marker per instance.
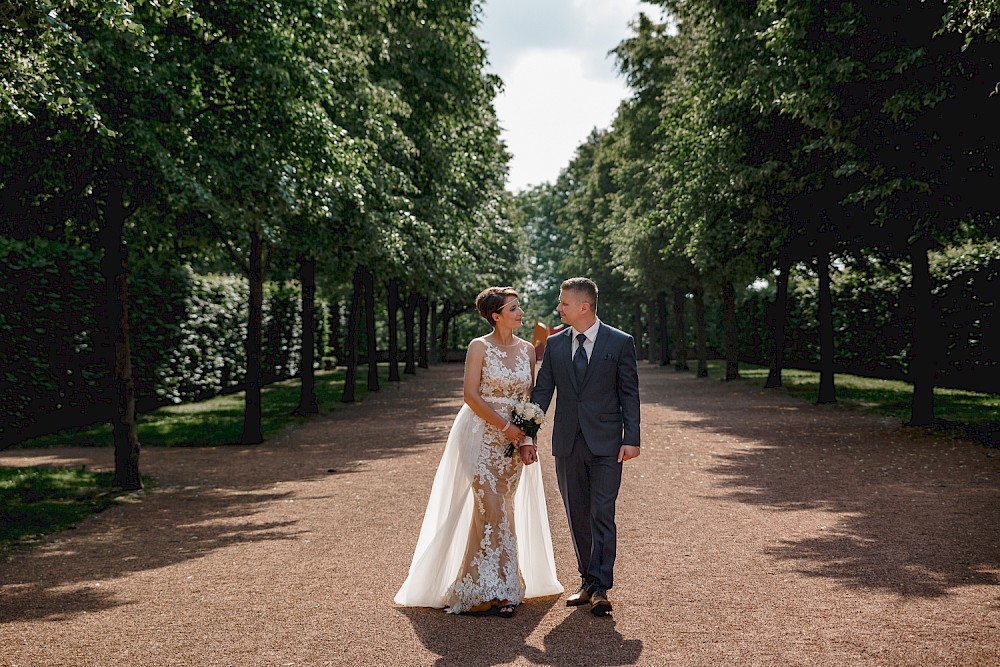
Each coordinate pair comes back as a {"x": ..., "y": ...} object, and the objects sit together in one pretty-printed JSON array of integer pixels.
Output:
[{"x": 584, "y": 286}]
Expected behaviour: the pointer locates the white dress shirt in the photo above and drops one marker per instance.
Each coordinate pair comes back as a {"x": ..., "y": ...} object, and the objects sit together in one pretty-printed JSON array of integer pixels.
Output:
[{"x": 588, "y": 345}]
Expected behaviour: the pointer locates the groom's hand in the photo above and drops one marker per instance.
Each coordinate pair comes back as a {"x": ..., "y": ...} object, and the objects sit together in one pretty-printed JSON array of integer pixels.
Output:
[{"x": 627, "y": 452}]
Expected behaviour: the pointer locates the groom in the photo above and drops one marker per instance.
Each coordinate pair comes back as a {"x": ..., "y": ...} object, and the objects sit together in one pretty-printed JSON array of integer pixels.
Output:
[{"x": 596, "y": 429}]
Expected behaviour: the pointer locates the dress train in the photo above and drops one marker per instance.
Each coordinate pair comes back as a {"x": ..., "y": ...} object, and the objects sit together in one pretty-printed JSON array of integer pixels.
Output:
[{"x": 444, "y": 533}]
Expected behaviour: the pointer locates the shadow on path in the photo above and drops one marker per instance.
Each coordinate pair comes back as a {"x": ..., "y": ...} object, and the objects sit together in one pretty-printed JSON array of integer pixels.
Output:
[
  {"x": 64, "y": 577},
  {"x": 208, "y": 499},
  {"x": 468, "y": 641},
  {"x": 910, "y": 513}
]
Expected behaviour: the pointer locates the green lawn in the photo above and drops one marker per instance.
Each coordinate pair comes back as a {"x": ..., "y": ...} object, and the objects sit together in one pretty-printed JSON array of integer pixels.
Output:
[
  {"x": 886, "y": 397},
  {"x": 37, "y": 501},
  {"x": 217, "y": 421}
]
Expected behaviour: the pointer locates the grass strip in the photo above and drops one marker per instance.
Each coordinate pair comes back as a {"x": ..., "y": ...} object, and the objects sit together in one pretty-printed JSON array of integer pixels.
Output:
[
  {"x": 978, "y": 411},
  {"x": 218, "y": 420},
  {"x": 39, "y": 501}
]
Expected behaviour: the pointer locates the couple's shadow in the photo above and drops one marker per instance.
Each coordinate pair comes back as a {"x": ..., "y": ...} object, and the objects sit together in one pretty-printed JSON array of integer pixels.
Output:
[{"x": 470, "y": 641}]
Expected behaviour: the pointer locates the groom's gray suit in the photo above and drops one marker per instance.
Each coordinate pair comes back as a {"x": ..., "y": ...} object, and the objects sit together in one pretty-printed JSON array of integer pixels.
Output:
[{"x": 593, "y": 419}]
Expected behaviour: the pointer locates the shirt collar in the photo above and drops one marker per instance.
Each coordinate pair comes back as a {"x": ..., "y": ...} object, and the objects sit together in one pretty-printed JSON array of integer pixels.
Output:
[{"x": 590, "y": 333}]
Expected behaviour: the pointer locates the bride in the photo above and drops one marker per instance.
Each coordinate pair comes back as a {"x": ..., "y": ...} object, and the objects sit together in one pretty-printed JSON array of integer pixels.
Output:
[{"x": 485, "y": 545}]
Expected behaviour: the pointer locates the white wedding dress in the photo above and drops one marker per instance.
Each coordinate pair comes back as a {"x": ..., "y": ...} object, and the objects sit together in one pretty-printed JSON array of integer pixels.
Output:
[{"x": 485, "y": 534}]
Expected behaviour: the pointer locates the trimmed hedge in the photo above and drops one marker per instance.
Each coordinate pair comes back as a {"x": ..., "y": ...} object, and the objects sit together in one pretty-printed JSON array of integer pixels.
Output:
[
  {"x": 52, "y": 370},
  {"x": 874, "y": 320},
  {"x": 188, "y": 336}
]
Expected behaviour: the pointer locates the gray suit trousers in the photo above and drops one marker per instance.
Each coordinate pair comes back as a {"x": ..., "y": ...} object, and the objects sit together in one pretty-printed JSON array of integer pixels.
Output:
[{"x": 589, "y": 486}]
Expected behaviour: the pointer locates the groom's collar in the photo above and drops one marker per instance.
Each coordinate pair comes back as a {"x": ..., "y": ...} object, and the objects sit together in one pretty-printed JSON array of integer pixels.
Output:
[{"x": 590, "y": 333}]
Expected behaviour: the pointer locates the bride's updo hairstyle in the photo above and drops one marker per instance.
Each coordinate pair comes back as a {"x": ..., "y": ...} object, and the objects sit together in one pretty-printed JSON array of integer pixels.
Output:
[{"x": 490, "y": 301}]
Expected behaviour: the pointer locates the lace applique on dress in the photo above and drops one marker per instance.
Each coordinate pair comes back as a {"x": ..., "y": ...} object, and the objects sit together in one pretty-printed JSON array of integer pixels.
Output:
[
  {"x": 504, "y": 378},
  {"x": 489, "y": 570}
]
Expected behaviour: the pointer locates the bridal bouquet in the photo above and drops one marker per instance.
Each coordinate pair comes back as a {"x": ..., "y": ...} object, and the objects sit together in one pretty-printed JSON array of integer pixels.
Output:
[{"x": 528, "y": 417}]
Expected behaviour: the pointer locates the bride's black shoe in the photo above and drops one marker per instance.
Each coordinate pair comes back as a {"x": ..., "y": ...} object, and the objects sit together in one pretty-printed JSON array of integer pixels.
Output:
[
  {"x": 506, "y": 611},
  {"x": 483, "y": 610}
]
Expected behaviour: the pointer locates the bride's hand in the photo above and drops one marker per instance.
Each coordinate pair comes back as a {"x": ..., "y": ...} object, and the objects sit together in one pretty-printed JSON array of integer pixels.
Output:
[{"x": 514, "y": 434}]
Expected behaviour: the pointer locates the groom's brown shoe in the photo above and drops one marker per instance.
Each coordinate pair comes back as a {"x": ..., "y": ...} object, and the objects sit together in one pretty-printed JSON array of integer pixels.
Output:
[
  {"x": 582, "y": 596},
  {"x": 599, "y": 604}
]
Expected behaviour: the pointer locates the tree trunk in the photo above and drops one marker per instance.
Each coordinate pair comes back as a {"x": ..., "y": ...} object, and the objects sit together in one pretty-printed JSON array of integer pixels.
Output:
[
  {"x": 680, "y": 330},
  {"x": 308, "y": 403},
  {"x": 778, "y": 315},
  {"x": 699, "y": 319},
  {"x": 393, "y": 322},
  {"x": 445, "y": 324},
  {"x": 732, "y": 337},
  {"x": 921, "y": 350},
  {"x": 422, "y": 346},
  {"x": 351, "y": 340},
  {"x": 409, "y": 310},
  {"x": 252, "y": 414},
  {"x": 827, "y": 388},
  {"x": 370, "y": 331},
  {"x": 114, "y": 266},
  {"x": 637, "y": 327},
  {"x": 653, "y": 345},
  {"x": 661, "y": 318},
  {"x": 336, "y": 344},
  {"x": 435, "y": 356}
]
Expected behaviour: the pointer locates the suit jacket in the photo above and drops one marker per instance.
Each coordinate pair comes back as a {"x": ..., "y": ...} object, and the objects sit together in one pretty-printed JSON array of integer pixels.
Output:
[{"x": 605, "y": 406}]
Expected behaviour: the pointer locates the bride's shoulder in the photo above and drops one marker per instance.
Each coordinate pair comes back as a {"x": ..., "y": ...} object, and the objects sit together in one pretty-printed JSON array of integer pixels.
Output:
[
  {"x": 475, "y": 353},
  {"x": 477, "y": 344}
]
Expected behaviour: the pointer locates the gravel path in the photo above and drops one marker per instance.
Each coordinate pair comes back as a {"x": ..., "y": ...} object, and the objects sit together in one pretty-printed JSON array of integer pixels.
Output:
[{"x": 754, "y": 530}]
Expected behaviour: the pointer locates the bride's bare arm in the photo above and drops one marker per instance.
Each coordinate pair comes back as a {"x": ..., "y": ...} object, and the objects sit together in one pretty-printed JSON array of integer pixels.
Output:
[
  {"x": 473, "y": 378},
  {"x": 529, "y": 452}
]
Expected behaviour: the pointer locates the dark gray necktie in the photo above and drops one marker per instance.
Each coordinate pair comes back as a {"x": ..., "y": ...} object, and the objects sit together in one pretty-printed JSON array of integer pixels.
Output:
[{"x": 580, "y": 359}]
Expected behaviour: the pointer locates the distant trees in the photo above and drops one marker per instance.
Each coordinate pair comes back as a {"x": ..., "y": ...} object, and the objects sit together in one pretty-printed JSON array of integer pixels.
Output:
[{"x": 817, "y": 138}]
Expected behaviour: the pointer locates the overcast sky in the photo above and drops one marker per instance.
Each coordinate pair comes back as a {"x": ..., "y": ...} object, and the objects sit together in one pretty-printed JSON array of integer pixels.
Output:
[{"x": 559, "y": 82}]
